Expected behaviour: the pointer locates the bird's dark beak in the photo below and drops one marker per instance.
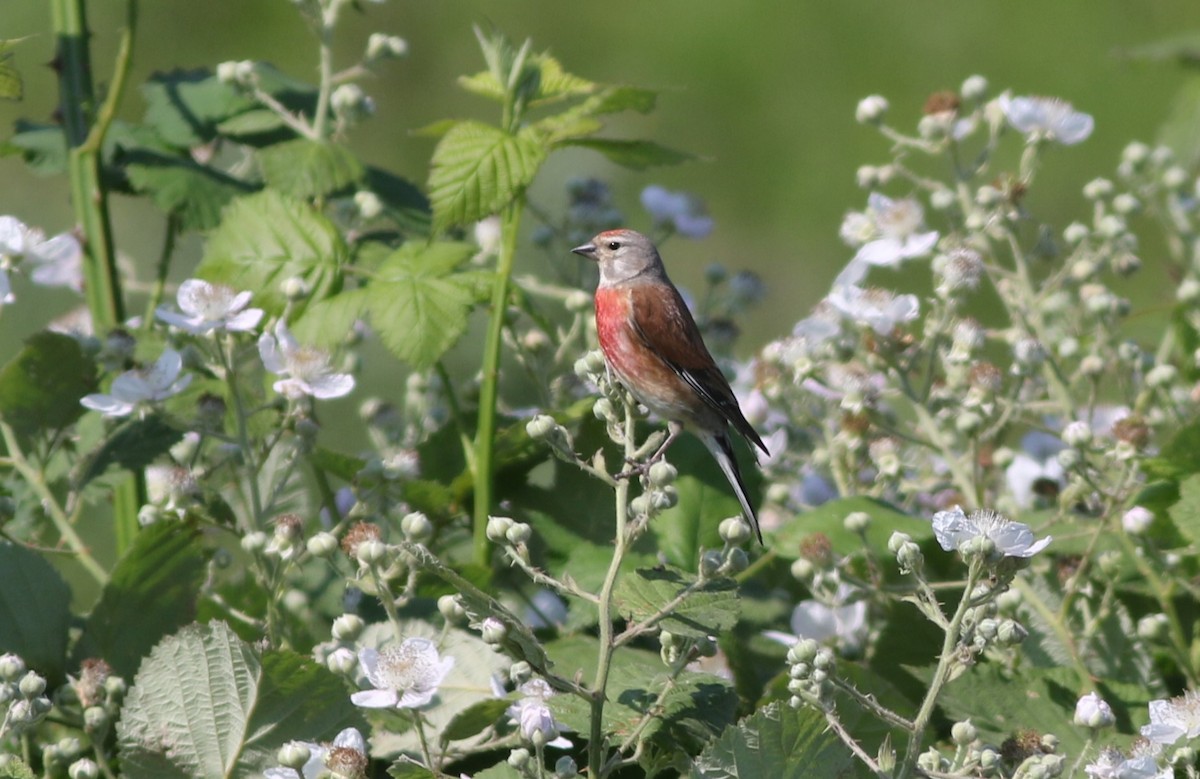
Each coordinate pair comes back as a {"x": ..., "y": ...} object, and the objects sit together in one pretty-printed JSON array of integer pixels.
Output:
[{"x": 587, "y": 250}]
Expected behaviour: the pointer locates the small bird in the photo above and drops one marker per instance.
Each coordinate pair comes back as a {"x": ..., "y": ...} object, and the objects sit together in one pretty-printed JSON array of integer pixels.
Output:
[{"x": 653, "y": 346}]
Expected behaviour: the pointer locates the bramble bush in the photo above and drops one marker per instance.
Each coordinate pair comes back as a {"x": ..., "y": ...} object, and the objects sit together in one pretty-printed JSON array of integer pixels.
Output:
[{"x": 982, "y": 505}]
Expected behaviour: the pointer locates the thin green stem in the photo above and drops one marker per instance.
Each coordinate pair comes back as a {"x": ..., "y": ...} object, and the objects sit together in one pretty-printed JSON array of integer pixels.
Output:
[
  {"x": 946, "y": 662},
  {"x": 62, "y": 522},
  {"x": 320, "y": 123},
  {"x": 485, "y": 434},
  {"x": 389, "y": 603},
  {"x": 607, "y": 643},
  {"x": 161, "y": 269},
  {"x": 102, "y": 283},
  {"x": 419, "y": 726}
]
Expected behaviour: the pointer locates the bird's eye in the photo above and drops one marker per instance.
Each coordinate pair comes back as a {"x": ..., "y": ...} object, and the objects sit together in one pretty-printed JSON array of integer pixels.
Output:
[{"x": 614, "y": 245}]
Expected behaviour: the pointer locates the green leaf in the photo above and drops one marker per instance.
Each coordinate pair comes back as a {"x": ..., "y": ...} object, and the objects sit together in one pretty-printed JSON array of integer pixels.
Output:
[
  {"x": 309, "y": 169},
  {"x": 637, "y": 155},
  {"x": 151, "y": 593},
  {"x": 478, "y": 170},
  {"x": 185, "y": 107},
  {"x": 403, "y": 202},
  {"x": 266, "y": 238},
  {"x": 42, "y": 146},
  {"x": 11, "y": 85},
  {"x": 206, "y": 704},
  {"x": 40, "y": 388},
  {"x": 405, "y": 768},
  {"x": 256, "y": 121},
  {"x": 475, "y": 719},
  {"x": 136, "y": 445},
  {"x": 15, "y": 768},
  {"x": 581, "y": 119},
  {"x": 418, "y": 305},
  {"x": 779, "y": 742},
  {"x": 178, "y": 185},
  {"x": 34, "y": 610},
  {"x": 1185, "y": 514},
  {"x": 695, "y": 708},
  {"x": 708, "y": 608},
  {"x": 325, "y": 323},
  {"x": 829, "y": 521},
  {"x": 1180, "y": 457}
]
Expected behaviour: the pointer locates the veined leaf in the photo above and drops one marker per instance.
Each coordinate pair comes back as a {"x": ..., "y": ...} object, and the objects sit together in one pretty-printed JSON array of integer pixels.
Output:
[
  {"x": 553, "y": 83},
  {"x": 206, "y": 704},
  {"x": 418, "y": 305},
  {"x": 178, "y": 185},
  {"x": 306, "y": 169},
  {"x": 776, "y": 741},
  {"x": 706, "y": 609},
  {"x": 478, "y": 169},
  {"x": 266, "y": 238},
  {"x": 152, "y": 592}
]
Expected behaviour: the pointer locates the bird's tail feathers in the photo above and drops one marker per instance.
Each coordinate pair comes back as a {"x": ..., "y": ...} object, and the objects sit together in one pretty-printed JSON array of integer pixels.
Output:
[{"x": 722, "y": 450}]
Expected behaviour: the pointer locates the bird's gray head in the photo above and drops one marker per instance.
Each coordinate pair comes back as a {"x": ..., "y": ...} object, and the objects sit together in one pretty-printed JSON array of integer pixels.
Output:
[{"x": 622, "y": 255}]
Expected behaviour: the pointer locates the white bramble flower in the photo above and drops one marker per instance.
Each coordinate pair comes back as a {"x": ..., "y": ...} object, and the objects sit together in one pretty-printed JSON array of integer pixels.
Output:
[
  {"x": 1137, "y": 520},
  {"x": 1035, "y": 471},
  {"x": 346, "y": 747},
  {"x": 405, "y": 676},
  {"x": 143, "y": 385},
  {"x": 533, "y": 718},
  {"x": 207, "y": 307},
  {"x": 1111, "y": 763},
  {"x": 57, "y": 262},
  {"x": 306, "y": 369},
  {"x": 1092, "y": 711},
  {"x": 899, "y": 224},
  {"x": 683, "y": 211},
  {"x": 954, "y": 529},
  {"x": 878, "y": 309},
  {"x": 845, "y": 621},
  {"x": 1047, "y": 118},
  {"x": 1173, "y": 719}
]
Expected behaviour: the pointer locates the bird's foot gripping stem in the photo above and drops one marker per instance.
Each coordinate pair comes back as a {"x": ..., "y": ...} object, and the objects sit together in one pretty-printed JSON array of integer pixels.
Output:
[{"x": 640, "y": 467}]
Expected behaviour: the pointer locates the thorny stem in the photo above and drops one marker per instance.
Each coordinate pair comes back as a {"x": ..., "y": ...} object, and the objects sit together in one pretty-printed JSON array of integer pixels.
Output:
[
  {"x": 946, "y": 662},
  {"x": 607, "y": 644}
]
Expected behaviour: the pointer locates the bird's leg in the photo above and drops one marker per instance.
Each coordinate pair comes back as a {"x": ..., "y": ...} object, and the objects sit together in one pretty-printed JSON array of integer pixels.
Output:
[{"x": 638, "y": 469}]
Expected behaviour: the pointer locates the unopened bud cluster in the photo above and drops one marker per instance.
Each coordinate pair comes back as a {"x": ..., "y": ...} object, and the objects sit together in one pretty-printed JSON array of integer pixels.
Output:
[{"x": 810, "y": 671}]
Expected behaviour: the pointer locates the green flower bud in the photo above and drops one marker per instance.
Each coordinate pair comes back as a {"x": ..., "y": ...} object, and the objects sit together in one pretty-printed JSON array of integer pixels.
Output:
[
  {"x": 322, "y": 544},
  {"x": 662, "y": 474},
  {"x": 857, "y": 522},
  {"x": 710, "y": 563},
  {"x": 451, "y": 608},
  {"x": 497, "y": 528},
  {"x": 96, "y": 720},
  {"x": 518, "y": 758},
  {"x": 737, "y": 562},
  {"x": 371, "y": 552},
  {"x": 734, "y": 530},
  {"x": 348, "y": 627},
  {"x": 519, "y": 533},
  {"x": 293, "y": 754},
  {"x": 416, "y": 527},
  {"x": 32, "y": 685},
  {"x": 963, "y": 732},
  {"x": 83, "y": 769}
]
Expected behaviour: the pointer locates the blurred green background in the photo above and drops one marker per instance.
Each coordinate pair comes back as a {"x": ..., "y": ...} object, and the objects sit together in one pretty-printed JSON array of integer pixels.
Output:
[{"x": 764, "y": 92}]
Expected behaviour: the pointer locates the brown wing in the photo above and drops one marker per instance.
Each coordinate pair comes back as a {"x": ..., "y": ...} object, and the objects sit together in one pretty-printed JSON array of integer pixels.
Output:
[{"x": 665, "y": 325}]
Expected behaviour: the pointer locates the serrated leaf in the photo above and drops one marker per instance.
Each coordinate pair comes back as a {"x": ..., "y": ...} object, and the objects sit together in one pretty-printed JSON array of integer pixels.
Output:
[
  {"x": 776, "y": 741},
  {"x": 34, "y": 610},
  {"x": 206, "y": 704},
  {"x": 694, "y": 709},
  {"x": 42, "y": 146},
  {"x": 11, "y": 85},
  {"x": 40, "y": 387},
  {"x": 708, "y": 608},
  {"x": 266, "y": 238},
  {"x": 636, "y": 155},
  {"x": 552, "y": 82},
  {"x": 178, "y": 185},
  {"x": 152, "y": 592},
  {"x": 15, "y": 768},
  {"x": 478, "y": 169},
  {"x": 581, "y": 119},
  {"x": 309, "y": 169},
  {"x": 418, "y": 305}
]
